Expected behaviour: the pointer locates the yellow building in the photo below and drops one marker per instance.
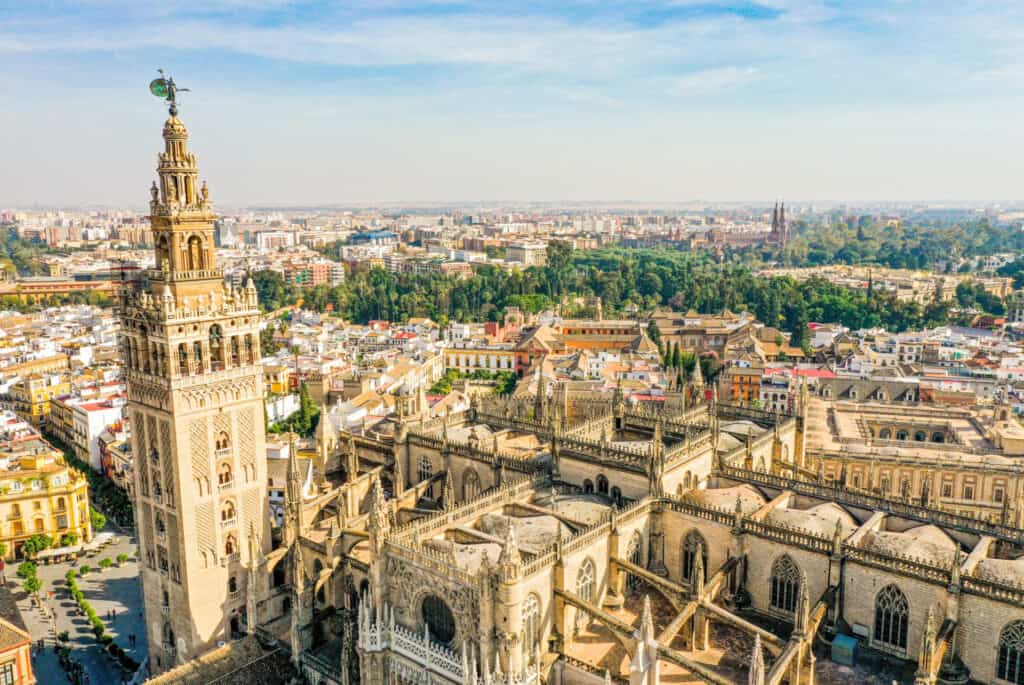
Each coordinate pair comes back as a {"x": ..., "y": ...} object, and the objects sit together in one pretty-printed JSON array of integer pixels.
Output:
[
  {"x": 40, "y": 493},
  {"x": 31, "y": 396}
]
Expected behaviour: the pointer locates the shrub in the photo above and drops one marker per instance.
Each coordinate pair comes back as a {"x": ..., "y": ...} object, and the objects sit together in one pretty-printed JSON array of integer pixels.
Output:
[
  {"x": 84, "y": 570},
  {"x": 27, "y": 569},
  {"x": 68, "y": 539},
  {"x": 63, "y": 636},
  {"x": 106, "y": 563},
  {"x": 33, "y": 585},
  {"x": 70, "y": 576},
  {"x": 122, "y": 558}
]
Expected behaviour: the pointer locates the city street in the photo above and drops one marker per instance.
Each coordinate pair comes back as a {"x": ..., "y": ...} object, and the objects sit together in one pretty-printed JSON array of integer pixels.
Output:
[{"x": 115, "y": 589}]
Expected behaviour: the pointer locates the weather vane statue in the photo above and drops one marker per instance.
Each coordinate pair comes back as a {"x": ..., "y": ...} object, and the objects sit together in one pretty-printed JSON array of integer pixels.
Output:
[{"x": 164, "y": 87}]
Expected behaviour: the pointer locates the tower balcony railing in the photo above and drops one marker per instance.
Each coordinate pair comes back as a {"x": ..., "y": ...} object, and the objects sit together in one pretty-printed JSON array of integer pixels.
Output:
[
  {"x": 190, "y": 275},
  {"x": 227, "y": 523},
  {"x": 226, "y": 485},
  {"x": 165, "y": 609},
  {"x": 222, "y": 453},
  {"x": 230, "y": 559}
]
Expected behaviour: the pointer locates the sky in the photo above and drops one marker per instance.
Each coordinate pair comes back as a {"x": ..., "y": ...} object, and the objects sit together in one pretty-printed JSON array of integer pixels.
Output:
[{"x": 297, "y": 102}]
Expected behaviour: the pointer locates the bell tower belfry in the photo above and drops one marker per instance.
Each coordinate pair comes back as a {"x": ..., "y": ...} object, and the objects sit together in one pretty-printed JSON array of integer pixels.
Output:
[{"x": 190, "y": 345}]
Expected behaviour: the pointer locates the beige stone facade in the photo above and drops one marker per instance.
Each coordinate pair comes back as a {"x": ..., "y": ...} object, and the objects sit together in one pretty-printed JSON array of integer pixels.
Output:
[{"x": 195, "y": 390}]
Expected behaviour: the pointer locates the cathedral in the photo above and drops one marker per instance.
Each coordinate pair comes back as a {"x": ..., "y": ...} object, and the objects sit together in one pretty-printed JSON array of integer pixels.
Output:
[{"x": 565, "y": 537}]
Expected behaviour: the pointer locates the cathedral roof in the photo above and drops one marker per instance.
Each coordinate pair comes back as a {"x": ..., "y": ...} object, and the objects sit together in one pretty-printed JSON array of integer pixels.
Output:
[
  {"x": 928, "y": 542},
  {"x": 725, "y": 498},
  {"x": 242, "y": 662},
  {"x": 820, "y": 519}
]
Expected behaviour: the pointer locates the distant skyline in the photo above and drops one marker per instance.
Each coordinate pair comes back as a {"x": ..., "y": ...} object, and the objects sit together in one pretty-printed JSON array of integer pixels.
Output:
[{"x": 316, "y": 103}]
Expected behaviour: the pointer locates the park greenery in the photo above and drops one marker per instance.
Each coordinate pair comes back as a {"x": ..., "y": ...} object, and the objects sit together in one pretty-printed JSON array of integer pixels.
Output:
[
  {"x": 917, "y": 244},
  {"x": 504, "y": 381},
  {"x": 303, "y": 421},
  {"x": 628, "y": 281}
]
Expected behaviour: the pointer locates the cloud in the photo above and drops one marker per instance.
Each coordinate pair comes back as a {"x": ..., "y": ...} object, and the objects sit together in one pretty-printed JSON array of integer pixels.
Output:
[{"x": 713, "y": 81}]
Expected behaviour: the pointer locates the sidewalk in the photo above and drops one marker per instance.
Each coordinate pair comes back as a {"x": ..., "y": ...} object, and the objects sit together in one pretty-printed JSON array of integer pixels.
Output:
[{"x": 116, "y": 589}]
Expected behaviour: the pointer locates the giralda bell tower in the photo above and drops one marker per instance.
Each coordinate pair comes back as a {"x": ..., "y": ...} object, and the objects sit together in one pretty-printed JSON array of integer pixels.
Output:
[{"x": 195, "y": 401}]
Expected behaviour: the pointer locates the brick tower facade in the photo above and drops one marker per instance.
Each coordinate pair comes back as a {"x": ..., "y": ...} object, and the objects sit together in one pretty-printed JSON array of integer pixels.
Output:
[{"x": 195, "y": 401}]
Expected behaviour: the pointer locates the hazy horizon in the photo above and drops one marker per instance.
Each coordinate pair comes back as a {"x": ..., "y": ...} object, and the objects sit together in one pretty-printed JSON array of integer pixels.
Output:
[{"x": 691, "y": 101}]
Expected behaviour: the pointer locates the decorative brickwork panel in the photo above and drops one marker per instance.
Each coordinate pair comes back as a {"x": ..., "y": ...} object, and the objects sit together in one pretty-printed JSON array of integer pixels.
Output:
[
  {"x": 173, "y": 541},
  {"x": 204, "y": 528},
  {"x": 147, "y": 520},
  {"x": 141, "y": 451},
  {"x": 151, "y": 435},
  {"x": 165, "y": 452},
  {"x": 251, "y": 503},
  {"x": 246, "y": 440},
  {"x": 199, "y": 445}
]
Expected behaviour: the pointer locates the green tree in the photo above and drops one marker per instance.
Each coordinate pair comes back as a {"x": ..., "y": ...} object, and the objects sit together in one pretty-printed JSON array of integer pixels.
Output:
[
  {"x": 68, "y": 539},
  {"x": 32, "y": 585},
  {"x": 27, "y": 569},
  {"x": 36, "y": 544},
  {"x": 106, "y": 563},
  {"x": 99, "y": 521}
]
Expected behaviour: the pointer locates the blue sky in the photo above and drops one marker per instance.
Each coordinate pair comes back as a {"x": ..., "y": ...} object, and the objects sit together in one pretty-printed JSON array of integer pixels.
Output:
[{"x": 330, "y": 102}]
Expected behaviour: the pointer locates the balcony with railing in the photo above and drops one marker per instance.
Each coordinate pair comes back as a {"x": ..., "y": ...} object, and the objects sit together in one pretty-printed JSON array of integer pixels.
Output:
[
  {"x": 222, "y": 453},
  {"x": 230, "y": 559},
  {"x": 227, "y": 523},
  {"x": 226, "y": 485}
]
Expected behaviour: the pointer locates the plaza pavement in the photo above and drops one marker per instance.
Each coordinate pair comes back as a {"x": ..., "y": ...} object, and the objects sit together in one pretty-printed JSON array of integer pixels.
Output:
[{"x": 117, "y": 589}]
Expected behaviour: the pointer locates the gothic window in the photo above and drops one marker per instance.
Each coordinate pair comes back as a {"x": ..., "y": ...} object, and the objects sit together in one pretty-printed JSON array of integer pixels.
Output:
[
  {"x": 230, "y": 546},
  {"x": 426, "y": 468},
  {"x": 885, "y": 434},
  {"x": 901, "y": 435},
  {"x": 182, "y": 359},
  {"x": 938, "y": 437},
  {"x": 920, "y": 436},
  {"x": 691, "y": 543},
  {"x": 279, "y": 575},
  {"x": 785, "y": 584},
  {"x": 250, "y": 353},
  {"x": 635, "y": 556},
  {"x": 470, "y": 484},
  {"x": 891, "y": 616},
  {"x": 227, "y": 512},
  {"x": 602, "y": 485},
  {"x": 168, "y": 636},
  {"x": 617, "y": 495},
  {"x": 588, "y": 486},
  {"x": 232, "y": 585},
  {"x": 234, "y": 351},
  {"x": 197, "y": 355},
  {"x": 1011, "y": 654},
  {"x": 224, "y": 475},
  {"x": 531, "y": 627},
  {"x": 439, "y": 619},
  {"x": 585, "y": 581}
]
